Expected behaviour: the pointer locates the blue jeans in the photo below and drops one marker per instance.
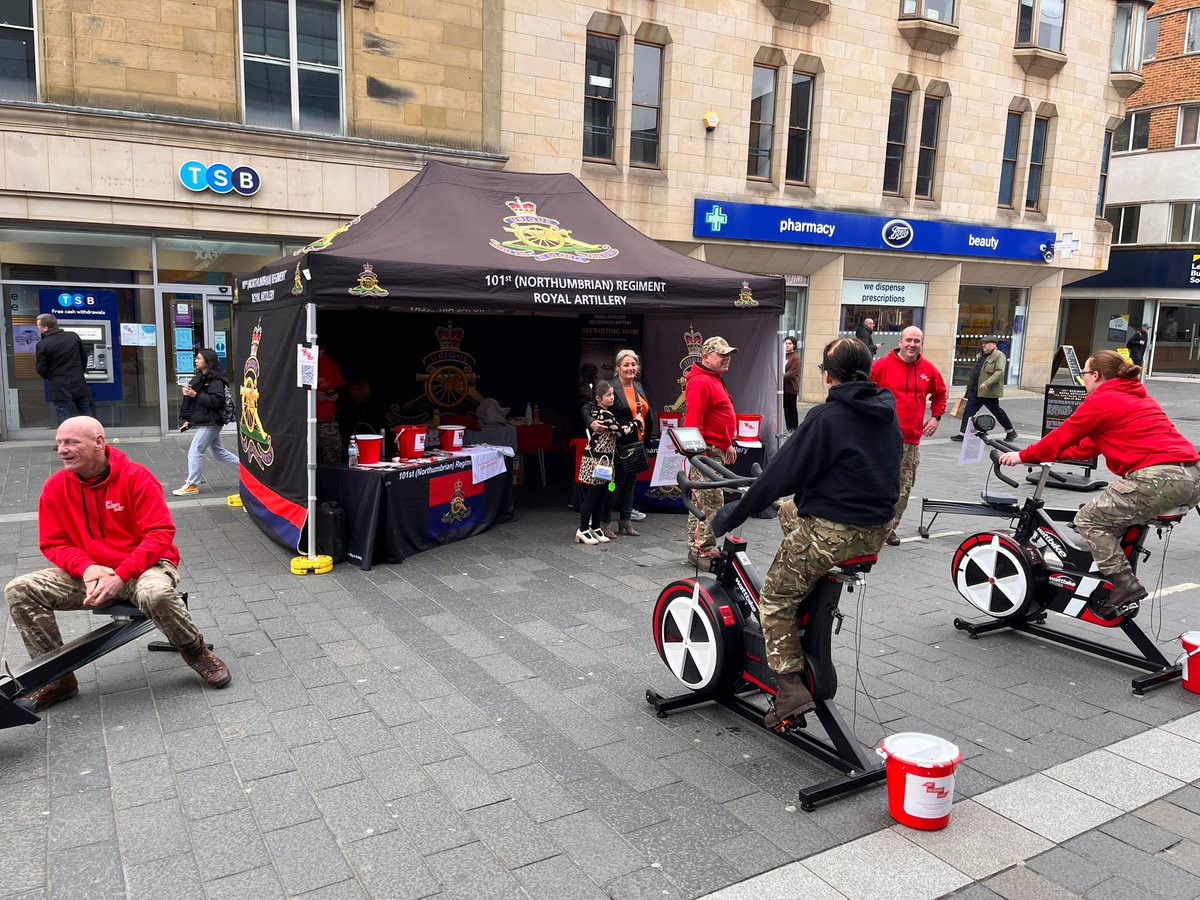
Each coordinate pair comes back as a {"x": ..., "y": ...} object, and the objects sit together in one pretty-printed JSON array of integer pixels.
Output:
[
  {"x": 207, "y": 436},
  {"x": 82, "y": 403}
]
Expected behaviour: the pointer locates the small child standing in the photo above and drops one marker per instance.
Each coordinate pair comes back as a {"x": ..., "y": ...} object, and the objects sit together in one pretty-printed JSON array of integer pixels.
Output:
[{"x": 597, "y": 469}]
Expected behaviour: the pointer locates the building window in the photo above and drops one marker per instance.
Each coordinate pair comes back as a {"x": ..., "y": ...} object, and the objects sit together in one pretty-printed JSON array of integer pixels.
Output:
[
  {"x": 1008, "y": 162},
  {"x": 1133, "y": 133},
  {"x": 1191, "y": 43},
  {"x": 1037, "y": 163},
  {"x": 1150, "y": 39},
  {"x": 1105, "y": 156},
  {"x": 799, "y": 127},
  {"x": 1128, "y": 37},
  {"x": 18, "y": 72},
  {"x": 600, "y": 97},
  {"x": 1185, "y": 223},
  {"x": 647, "y": 105},
  {"x": 937, "y": 10},
  {"x": 1040, "y": 24},
  {"x": 1189, "y": 126},
  {"x": 1124, "y": 220},
  {"x": 927, "y": 156},
  {"x": 897, "y": 138},
  {"x": 762, "y": 122},
  {"x": 292, "y": 64}
]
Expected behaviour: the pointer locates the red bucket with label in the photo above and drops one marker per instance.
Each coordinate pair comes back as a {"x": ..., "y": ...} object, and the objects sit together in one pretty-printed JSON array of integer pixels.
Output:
[
  {"x": 451, "y": 437},
  {"x": 1191, "y": 660},
  {"x": 669, "y": 419},
  {"x": 410, "y": 441},
  {"x": 920, "y": 779},
  {"x": 370, "y": 448},
  {"x": 748, "y": 426}
]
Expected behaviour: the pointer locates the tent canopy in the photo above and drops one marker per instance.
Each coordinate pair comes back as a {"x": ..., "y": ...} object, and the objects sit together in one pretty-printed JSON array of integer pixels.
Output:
[{"x": 460, "y": 238}]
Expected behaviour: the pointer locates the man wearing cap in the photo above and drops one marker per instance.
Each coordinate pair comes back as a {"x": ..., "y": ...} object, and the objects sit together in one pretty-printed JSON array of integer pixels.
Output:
[
  {"x": 709, "y": 407},
  {"x": 985, "y": 388},
  {"x": 1137, "y": 344}
]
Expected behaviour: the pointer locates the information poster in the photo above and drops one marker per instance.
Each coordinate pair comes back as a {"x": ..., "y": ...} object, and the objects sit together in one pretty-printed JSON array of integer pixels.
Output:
[
  {"x": 1060, "y": 402},
  {"x": 183, "y": 339}
]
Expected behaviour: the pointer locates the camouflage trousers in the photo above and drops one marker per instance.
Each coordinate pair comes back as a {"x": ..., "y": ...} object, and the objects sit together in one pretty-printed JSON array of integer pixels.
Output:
[
  {"x": 810, "y": 548},
  {"x": 329, "y": 443},
  {"x": 908, "y": 474},
  {"x": 699, "y": 533},
  {"x": 1138, "y": 497},
  {"x": 33, "y": 598}
]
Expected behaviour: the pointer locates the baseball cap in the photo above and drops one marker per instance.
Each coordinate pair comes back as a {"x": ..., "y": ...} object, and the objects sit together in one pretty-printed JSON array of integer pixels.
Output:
[{"x": 717, "y": 345}]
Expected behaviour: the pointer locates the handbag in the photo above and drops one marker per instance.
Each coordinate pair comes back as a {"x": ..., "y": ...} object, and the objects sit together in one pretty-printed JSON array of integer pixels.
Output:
[
  {"x": 632, "y": 457},
  {"x": 595, "y": 469},
  {"x": 960, "y": 407}
]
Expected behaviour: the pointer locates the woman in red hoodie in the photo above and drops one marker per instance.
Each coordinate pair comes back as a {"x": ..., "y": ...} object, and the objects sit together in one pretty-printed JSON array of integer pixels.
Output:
[{"x": 1157, "y": 467}]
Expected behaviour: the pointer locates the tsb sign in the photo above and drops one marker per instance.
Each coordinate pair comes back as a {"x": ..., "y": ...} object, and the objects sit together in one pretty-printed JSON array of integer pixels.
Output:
[{"x": 196, "y": 176}]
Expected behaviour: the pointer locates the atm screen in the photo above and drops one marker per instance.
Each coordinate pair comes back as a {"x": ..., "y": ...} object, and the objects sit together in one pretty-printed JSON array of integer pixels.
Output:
[{"x": 92, "y": 333}]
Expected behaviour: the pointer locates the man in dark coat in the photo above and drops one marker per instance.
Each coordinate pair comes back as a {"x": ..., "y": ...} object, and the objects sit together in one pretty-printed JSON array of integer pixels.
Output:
[
  {"x": 1137, "y": 344},
  {"x": 61, "y": 361},
  {"x": 866, "y": 334}
]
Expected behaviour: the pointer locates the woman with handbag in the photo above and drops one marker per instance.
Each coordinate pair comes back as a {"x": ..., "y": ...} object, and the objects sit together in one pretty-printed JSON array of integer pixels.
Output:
[
  {"x": 630, "y": 406},
  {"x": 203, "y": 402},
  {"x": 597, "y": 469}
]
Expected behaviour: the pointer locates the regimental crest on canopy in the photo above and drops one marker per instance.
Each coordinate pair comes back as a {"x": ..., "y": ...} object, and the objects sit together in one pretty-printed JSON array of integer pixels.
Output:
[
  {"x": 368, "y": 284},
  {"x": 459, "y": 509},
  {"x": 745, "y": 298},
  {"x": 541, "y": 238},
  {"x": 693, "y": 340},
  {"x": 252, "y": 434},
  {"x": 449, "y": 336},
  {"x": 298, "y": 282}
]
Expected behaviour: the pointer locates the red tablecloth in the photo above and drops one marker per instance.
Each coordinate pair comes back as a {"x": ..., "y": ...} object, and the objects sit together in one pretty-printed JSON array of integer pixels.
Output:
[{"x": 532, "y": 438}]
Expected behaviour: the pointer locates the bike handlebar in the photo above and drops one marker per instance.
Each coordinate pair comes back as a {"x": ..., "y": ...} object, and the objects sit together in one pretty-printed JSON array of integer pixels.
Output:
[
  {"x": 998, "y": 446},
  {"x": 717, "y": 477},
  {"x": 999, "y": 473}
]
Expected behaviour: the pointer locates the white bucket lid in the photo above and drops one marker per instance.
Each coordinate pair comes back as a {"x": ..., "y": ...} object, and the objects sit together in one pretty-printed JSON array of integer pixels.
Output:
[
  {"x": 452, "y": 427},
  {"x": 921, "y": 749},
  {"x": 367, "y": 437},
  {"x": 1191, "y": 638}
]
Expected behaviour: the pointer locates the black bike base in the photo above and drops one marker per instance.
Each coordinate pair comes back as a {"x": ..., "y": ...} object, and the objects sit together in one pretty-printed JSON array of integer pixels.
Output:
[
  {"x": 842, "y": 751},
  {"x": 1071, "y": 482},
  {"x": 1160, "y": 669}
]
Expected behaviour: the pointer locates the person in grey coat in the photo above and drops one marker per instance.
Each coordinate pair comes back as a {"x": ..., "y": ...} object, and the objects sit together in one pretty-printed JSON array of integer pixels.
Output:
[
  {"x": 985, "y": 389},
  {"x": 61, "y": 361}
]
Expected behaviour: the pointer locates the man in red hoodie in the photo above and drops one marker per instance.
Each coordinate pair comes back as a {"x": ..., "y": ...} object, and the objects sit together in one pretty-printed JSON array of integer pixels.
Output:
[
  {"x": 1157, "y": 467},
  {"x": 916, "y": 382},
  {"x": 103, "y": 523},
  {"x": 709, "y": 408}
]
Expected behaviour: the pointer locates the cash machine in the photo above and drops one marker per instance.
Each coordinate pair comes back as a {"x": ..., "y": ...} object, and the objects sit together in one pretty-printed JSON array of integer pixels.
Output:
[{"x": 97, "y": 340}]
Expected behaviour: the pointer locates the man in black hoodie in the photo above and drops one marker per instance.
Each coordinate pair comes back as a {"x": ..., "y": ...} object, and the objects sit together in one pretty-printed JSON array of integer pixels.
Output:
[
  {"x": 842, "y": 466},
  {"x": 61, "y": 361}
]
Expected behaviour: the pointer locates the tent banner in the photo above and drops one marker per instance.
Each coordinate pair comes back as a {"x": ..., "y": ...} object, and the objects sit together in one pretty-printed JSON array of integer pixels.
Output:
[{"x": 272, "y": 425}]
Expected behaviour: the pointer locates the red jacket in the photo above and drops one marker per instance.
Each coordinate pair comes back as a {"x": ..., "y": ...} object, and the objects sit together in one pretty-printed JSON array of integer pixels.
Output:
[
  {"x": 122, "y": 522},
  {"x": 1122, "y": 421},
  {"x": 912, "y": 383},
  {"x": 709, "y": 407}
]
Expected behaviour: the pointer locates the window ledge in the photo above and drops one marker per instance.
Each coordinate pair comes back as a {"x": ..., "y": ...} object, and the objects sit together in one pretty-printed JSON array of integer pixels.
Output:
[
  {"x": 927, "y": 35},
  {"x": 1039, "y": 62},
  {"x": 798, "y": 12},
  {"x": 1125, "y": 83}
]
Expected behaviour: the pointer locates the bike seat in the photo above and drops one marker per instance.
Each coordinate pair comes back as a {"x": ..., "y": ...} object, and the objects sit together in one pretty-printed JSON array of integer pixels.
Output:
[
  {"x": 1172, "y": 516},
  {"x": 858, "y": 564},
  {"x": 119, "y": 609}
]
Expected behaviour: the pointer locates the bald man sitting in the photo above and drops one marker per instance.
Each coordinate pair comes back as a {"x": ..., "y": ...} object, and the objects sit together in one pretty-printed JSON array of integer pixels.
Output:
[{"x": 103, "y": 523}]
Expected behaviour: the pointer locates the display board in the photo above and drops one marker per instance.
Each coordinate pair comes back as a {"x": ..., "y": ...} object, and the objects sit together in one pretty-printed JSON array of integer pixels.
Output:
[{"x": 1060, "y": 402}]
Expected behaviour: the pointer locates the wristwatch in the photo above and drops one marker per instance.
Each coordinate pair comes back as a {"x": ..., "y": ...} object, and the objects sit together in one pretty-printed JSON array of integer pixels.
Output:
[{"x": 939, "y": 418}]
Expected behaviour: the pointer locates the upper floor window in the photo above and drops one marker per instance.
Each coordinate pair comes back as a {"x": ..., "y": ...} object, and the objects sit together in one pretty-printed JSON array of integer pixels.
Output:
[
  {"x": 18, "y": 72},
  {"x": 1105, "y": 156},
  {"x": 927, "y": 154},
  {"x": 1185, "y": 223},
  {"x": 1037, "y": 162},
  {"x": 1040, "y": 23},
  {"x": 1124, "y": 220},
  {"x": 1128, "y": 36},
  {"x": 1008, "y": 160},
  {"x": 647, "y": 105},
  {"x": 937, "y": 10},
  {"x": 1133, "y": 133},
  {"x": 1150, "y": 39},
  {"x": 1189, "y": 126},
  {"x": 1191, "y": 43},
  {"x": 897, "y": 140},
  {"x": 800, "y": 127},
  {"x": 292, "y": 63},
  {"x": 600, "y": 97},
  {"x": 762, "y": 122}
]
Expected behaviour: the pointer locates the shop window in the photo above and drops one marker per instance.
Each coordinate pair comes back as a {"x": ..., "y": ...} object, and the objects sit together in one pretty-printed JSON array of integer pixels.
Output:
[
  {"x": 18, "y": 42},
  {"x": 800, "y": 127},
  {"x": 1189, "y": 126},
  {"x": 1124, "y": 220},
  {"x": 1040, "y": 24},
  {"x": 292, "y": 64},
  {"x": 1128, "y": 36},
  {"x": 1185, "y": 223},
  {"x": 927, "y": 154},
  {"x": 1191, "y": 43},
  {"x": 984, "y": 310},
  {"x": 1105, "y": 156},
  {"x": 762, "y": 123},
  {"x": 935, "y": 10},
  {"x": 1150, "y": 39},
  {"x": 647, "y": 105},
  {"x": 897, "y": 139},
  {"x": 1008, "y": 161},
  {"x": 600, "y": 98},
  {"x": 1133, "y": 133},
  {"x": 1037, "y": 163}
]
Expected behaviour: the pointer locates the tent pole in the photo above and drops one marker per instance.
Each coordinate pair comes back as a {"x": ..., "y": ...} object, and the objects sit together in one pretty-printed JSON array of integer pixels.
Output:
[{"x": 311, "y": 314}]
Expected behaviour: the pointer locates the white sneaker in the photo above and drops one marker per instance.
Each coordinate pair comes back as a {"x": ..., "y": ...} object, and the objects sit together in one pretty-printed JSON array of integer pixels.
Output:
[
  {"x": 600, "y": 537},
  {"x": 586, "y": 537},
  {"x": 637, "y": 515}
]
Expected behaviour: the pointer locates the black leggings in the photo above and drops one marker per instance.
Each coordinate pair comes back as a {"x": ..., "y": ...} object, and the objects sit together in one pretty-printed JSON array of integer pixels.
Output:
[
  {"x": 789, "y": 411},
  {"x": 591, "y": 505}
]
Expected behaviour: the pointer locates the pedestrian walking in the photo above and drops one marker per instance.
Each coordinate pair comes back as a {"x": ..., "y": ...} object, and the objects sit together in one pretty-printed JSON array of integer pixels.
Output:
[
  {"x": 986, "y": 387},
  {"x": 1137, "y": 344},
  {"x": 203, "y": 413}
]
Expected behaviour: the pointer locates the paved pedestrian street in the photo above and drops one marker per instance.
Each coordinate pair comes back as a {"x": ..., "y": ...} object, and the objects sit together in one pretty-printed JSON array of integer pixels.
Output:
[{"x": 472, "y": 723}]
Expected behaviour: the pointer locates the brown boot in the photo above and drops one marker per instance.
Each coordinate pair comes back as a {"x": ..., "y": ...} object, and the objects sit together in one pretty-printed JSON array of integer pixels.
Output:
[
  {"x": 625, "y": 526},
  {"x": 208, "y": 666},
  {"x": 55, "y": 692},
  {"x": 607, "y": 531},
  {"x": 891, "y": 540},
  {"x": 793, "y": 700},
  {"x": 1123, "y": 599}
]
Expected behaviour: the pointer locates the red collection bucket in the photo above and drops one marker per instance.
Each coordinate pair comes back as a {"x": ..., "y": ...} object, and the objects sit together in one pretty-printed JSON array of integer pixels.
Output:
[
  {"x": 451, "y": 437},
  {"x": 1191, "y": 660},
  {"x": 748, "y": 426},
  {"x": 920, "y": 779},
  {"x": 410, "y": 441},
  {"x": 370, "y": 448}
]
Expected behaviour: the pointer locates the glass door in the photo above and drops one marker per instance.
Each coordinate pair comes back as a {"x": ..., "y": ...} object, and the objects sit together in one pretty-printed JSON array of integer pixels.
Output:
[
  {"x": 194, "y": 317},
  {"x": 1175, "y": 348}
]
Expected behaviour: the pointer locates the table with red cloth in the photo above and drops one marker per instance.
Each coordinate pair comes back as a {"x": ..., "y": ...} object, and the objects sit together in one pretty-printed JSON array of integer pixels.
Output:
[{"x": 536, "y": 438}]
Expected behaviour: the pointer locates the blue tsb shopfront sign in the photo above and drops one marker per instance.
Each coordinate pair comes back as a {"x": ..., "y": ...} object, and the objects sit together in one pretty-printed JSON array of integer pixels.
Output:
[{"x": 791, "y": 225}]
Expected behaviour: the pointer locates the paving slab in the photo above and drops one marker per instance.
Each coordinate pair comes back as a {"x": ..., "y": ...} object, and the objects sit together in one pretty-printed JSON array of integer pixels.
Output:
[{"x": 1048, "y": 807}]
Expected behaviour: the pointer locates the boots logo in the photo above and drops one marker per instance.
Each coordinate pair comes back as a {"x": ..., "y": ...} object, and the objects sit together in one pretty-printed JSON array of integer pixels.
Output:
[
  {"x": 897, "y": 234},
  {"x": 114, "y": 506}
]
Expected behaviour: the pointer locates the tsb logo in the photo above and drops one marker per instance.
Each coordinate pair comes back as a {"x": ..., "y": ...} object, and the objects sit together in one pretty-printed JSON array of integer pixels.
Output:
[
  {"x": 196, "y": 176},
  {"x": 897, "y": 233}
]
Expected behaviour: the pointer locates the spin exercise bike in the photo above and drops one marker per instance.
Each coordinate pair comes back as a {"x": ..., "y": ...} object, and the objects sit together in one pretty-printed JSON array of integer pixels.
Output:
[
  {"x": 706, "y": 630},
  {"x": 1042, "y": 566}
]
